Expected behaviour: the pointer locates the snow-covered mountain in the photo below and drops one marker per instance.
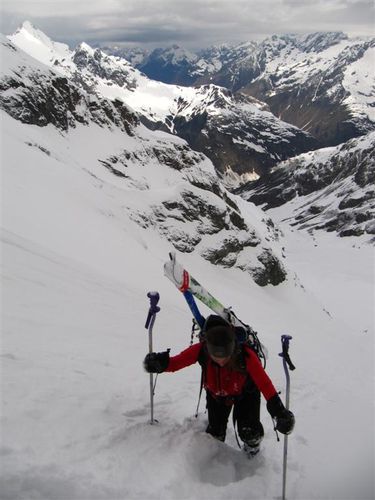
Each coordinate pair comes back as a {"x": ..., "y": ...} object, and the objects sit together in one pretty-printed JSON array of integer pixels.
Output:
[
  {"x": 331, "y": 188},
  {"x": 321, "y": 82},
  {"x": 179, "y": 66},
  {"x": 135, "y": 55},
  {"x": 166, "y": 186},
  {"x": 239, "y": 134},
  {"x": 35, "y": 94},
  {"x": 172, "y": 65}
]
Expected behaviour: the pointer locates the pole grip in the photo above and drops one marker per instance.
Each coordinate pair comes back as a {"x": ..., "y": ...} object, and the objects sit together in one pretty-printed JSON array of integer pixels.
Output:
[
  {"x": 285, "y": 351},
  {"x": 154, "y": 308}
]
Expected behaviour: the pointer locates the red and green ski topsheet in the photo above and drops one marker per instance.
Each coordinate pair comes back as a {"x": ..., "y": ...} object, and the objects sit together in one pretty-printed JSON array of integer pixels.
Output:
[{"x": 182, "y": 279}]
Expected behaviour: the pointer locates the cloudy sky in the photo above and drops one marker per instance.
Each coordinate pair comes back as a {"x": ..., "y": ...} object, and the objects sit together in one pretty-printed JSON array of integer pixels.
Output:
[{"x": 189, "y": 23}]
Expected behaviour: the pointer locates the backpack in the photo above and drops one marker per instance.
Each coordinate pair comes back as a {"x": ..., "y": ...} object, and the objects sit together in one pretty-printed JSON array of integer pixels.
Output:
[{"x": 244, "y": 334}]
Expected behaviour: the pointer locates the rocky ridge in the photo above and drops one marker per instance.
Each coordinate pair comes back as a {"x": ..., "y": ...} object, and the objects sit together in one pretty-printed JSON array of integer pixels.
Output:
[{"x": 331, "y": 188}]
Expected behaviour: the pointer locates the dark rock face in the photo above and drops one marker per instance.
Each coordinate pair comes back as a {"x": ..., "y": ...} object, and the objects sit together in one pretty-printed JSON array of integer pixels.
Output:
[
  {"x": 226, "y": 255},
  {"x": 49, "y": 100},
  {"x": 272, "y": 271},
  {"x": 99, "y": 65},
  {"x": 162, "y": 66},
  {"x": 330, "y": 123}
]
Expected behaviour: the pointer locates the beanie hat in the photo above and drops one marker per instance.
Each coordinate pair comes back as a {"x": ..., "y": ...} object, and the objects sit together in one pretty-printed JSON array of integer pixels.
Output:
[
  {"x": 220, "y": 341},
  {"x": 214, "y": 320}
]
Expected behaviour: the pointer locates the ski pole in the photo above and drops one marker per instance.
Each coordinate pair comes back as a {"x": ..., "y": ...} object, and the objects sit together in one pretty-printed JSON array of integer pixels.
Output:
[
  {"x": 153, "y": 310},
  {"x": 287, "y": 363}
]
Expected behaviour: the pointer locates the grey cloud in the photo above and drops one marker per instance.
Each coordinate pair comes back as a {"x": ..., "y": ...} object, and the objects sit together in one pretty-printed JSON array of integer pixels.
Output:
[
  {"x": 193, "y": 23},
  {"x": 146, "y": 35}
]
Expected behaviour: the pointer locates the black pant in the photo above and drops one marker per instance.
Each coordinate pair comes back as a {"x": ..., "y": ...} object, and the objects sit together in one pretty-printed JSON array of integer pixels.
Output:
[{"x": 246, "y": 410}]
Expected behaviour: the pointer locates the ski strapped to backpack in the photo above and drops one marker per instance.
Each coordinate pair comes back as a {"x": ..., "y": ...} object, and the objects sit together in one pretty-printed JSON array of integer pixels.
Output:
[{"x": 191, "y": 289}]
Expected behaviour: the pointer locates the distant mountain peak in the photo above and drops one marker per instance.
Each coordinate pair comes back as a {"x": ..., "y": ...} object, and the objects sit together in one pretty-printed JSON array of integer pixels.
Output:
[
  {"x": 310, "y": 42},
  {"x": 86, "y": 48},
  {"x": 175, "y": 55},
  {"x": 28, "y": 27},
  {"x": 36, "y": 43},
  {"x": 33, "y": 34},
  {"x": 319, "y": 41}
]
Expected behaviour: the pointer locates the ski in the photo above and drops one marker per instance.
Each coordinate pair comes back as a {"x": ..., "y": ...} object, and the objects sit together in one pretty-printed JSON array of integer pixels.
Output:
[
  {"x": 182, "y": 279},
  {"x": 187, "y": 284}
]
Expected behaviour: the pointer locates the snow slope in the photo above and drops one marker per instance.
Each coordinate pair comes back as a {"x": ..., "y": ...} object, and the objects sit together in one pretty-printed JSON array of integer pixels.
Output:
[{"x": 75, "y": 401}]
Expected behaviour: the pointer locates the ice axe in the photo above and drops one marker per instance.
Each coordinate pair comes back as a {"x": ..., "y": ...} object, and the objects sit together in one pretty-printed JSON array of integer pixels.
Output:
[{"x": 153, "y": 310}]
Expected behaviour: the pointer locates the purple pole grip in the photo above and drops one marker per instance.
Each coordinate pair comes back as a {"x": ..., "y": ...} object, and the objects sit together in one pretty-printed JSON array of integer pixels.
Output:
[{"x": 154, "y": 308}]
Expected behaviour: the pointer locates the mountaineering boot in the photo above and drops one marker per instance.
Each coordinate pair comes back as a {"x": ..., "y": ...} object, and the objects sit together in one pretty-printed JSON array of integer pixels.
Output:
[
  {"x": 217, "y": 434},
  {"x": 251, "y": 445},
  {"x": 251, "y": 451},
  {"x": 251, "y": 437}
]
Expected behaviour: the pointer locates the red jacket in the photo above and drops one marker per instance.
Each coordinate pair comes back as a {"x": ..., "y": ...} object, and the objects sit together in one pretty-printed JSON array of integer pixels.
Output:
[{"x": 222, "y": 381}]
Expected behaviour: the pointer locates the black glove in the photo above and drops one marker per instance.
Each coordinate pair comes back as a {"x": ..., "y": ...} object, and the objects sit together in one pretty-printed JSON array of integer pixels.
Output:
[
  {"x": 156, "y": 362},
  {"x": 283, "y": 417}
]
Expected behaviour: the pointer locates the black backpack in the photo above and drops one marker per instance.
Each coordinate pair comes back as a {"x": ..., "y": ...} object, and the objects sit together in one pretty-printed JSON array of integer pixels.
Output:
[{"x": 245, "y": 335}]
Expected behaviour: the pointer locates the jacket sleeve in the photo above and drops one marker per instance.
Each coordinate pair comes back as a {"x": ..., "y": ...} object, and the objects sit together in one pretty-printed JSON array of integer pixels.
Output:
[
  {"x": 186, "y": 358},
  {"x": 259, "y": 376}
]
